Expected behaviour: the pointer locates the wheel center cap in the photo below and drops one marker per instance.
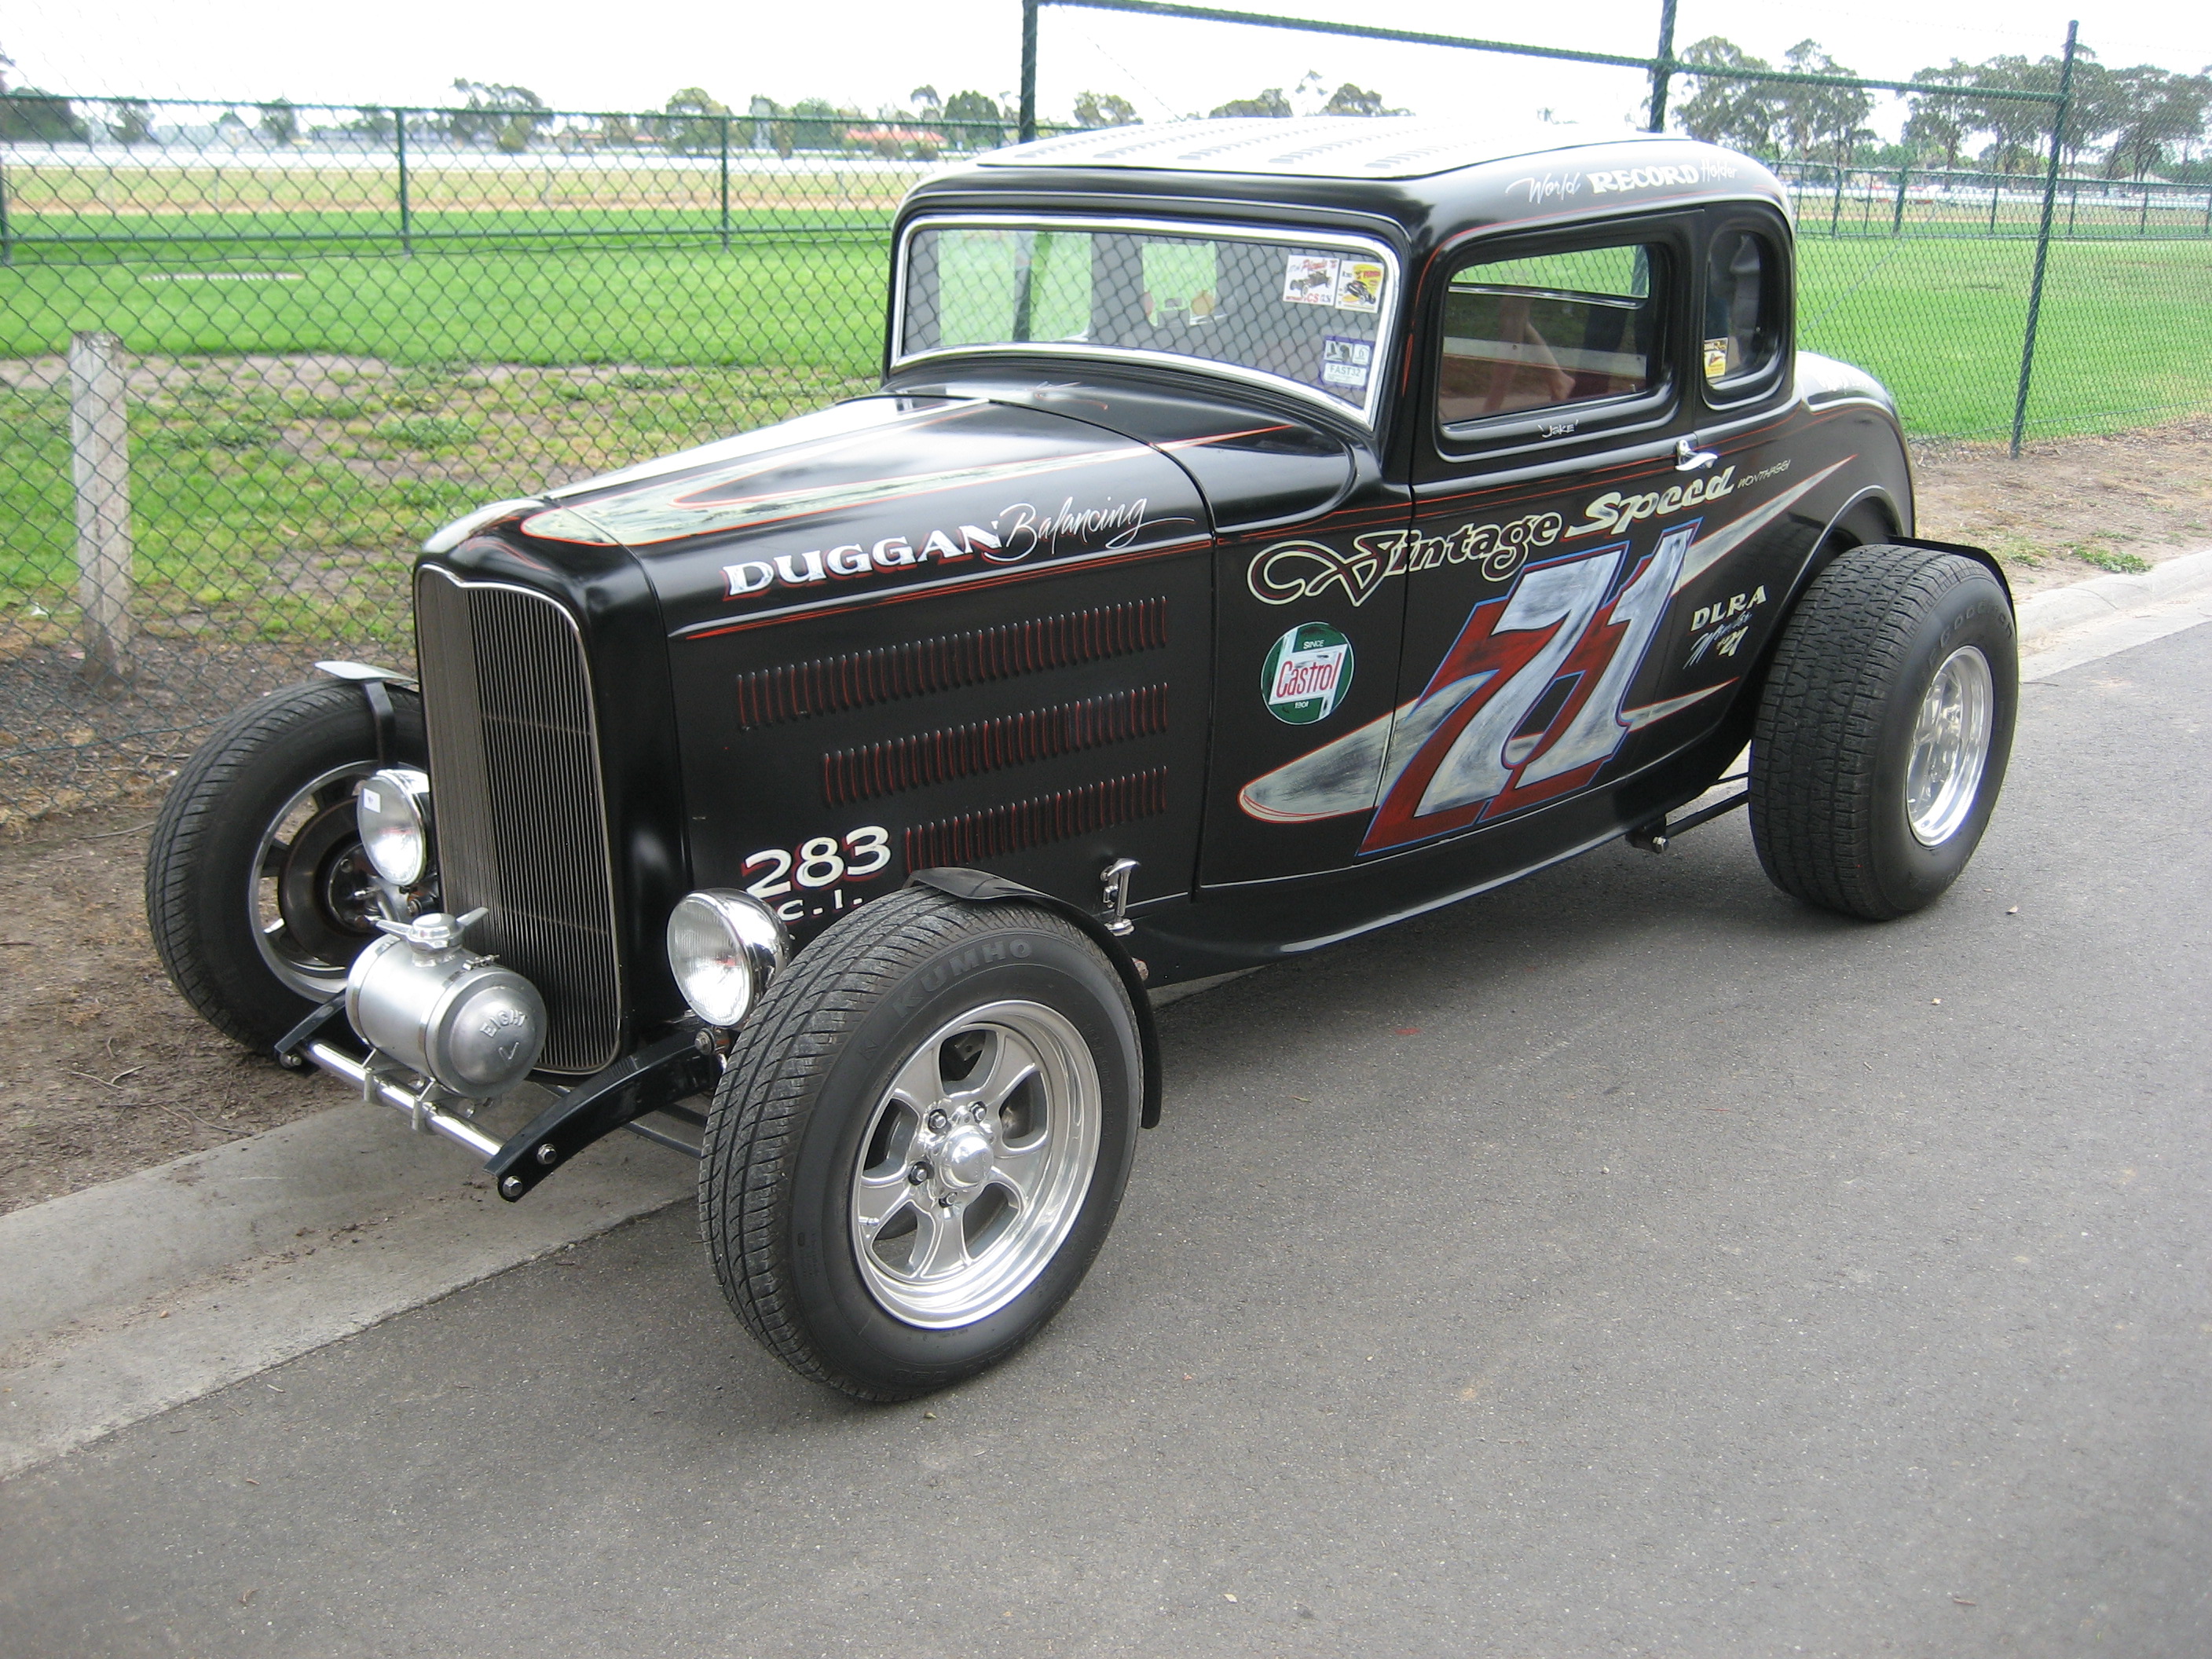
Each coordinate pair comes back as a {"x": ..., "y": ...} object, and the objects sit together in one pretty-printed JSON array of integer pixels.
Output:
[{"x": 966, "y": 1159}]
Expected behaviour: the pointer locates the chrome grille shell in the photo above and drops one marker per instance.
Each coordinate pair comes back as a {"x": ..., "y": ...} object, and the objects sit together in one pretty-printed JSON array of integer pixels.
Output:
[{"x": 519, "y": 800}]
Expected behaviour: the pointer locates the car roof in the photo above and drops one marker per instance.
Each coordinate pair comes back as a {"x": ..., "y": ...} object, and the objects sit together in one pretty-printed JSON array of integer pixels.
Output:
[
  {"x": 1317, "y": 147},
  {"x": 1429, "y": 179}
]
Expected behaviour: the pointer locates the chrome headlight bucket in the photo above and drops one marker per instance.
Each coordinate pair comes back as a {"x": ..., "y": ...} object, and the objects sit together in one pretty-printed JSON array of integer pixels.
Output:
[
  {"x": 393, "y": 813},
  {"x": 724, "y": 947}
]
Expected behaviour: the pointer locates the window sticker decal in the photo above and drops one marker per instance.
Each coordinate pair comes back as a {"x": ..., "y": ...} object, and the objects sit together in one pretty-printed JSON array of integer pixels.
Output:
[
  {"x": 1309, "y": 279},
  {"x": 1307, "y": 674},
  {"x": 1359, "y": 286},
  {"x": 1345, "y": 361},
  {"x": 1716, "y": 360}
]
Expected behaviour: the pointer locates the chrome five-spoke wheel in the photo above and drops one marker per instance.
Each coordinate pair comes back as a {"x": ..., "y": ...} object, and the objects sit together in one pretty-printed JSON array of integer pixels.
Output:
[
  {"x": 1950, "y": 746},
  {"x": 921, "y": 1138},
  {"x": 975, "y": 1164}
]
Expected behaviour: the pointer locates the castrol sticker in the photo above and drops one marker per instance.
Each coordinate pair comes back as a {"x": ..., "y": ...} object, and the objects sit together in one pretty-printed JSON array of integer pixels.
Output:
[{"x": 1307, "y": 674}]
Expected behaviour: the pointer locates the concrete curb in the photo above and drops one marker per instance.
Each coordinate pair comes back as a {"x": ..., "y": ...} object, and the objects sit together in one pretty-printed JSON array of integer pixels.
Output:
[
  {"x": 127, "y": 1298},
  {"x": 2061, "y": 610},
  {"x": 2066, "y": 626}
]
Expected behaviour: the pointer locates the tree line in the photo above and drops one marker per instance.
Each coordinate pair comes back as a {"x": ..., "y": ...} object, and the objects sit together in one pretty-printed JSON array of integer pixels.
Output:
[
  {"x": 506, "y": 117},
  {"x": 2124, "y": 123}
]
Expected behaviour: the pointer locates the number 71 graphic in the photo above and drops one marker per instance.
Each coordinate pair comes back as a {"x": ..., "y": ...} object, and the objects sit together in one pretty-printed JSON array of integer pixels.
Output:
[{"x": 1526, "y": 707}]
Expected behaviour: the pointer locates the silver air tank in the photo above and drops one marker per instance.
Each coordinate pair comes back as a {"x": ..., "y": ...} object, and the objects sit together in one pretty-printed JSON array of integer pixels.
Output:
[{"x": 463, "y": 1020}]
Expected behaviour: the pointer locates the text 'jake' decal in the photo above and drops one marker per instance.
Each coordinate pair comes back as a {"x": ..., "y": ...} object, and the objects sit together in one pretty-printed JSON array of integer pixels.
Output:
[{"x": 1307, "y": 674}]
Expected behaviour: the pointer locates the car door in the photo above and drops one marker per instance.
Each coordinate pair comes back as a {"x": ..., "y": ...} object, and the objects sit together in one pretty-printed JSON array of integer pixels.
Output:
[{"x": 1554, "y": 368}]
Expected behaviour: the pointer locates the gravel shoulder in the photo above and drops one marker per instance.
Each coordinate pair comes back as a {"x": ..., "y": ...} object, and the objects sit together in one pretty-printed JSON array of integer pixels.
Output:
[{"x": 104, "y": 1070}]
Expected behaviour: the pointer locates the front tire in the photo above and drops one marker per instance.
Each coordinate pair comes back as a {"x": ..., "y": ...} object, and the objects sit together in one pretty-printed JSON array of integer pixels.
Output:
[
  {"x": 921, "y": 1141},
  {"x": 1883, "y": 731},
  {"x": 258, "y": 893}
]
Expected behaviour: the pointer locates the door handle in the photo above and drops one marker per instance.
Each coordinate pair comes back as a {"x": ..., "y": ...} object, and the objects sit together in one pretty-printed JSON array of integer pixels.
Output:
[{"x": 1688, "y": 458}]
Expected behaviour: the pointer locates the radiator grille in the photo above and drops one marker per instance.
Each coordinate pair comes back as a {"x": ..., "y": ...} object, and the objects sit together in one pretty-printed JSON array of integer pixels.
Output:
[
  {"x": 828, "y": 685},
  {"x": 521, "y": 817},
  {"x": 965, "y": 751},
  {"x": 997, "y": 830}
]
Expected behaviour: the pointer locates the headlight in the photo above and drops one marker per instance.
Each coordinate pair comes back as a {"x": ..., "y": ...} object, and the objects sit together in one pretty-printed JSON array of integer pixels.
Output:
[
  {"x": 393, "y": 811},
  {"x": 725, "y": 947}
]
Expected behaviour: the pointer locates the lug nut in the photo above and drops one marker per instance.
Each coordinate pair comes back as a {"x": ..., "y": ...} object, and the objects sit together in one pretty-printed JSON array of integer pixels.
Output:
[
  {"x": 919, "y": 1174},
  {"x": 939, "y": 1122}
]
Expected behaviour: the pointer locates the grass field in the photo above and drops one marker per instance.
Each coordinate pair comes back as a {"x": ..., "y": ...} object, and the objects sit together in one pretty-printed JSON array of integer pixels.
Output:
[
  {"x": 297, "y": 426},
  {"x": 283, "y": 497},
  {"x": 817, "y": 305},
  {"x": 55, "y": 200},
  {"x": 2125, "y": 336}
]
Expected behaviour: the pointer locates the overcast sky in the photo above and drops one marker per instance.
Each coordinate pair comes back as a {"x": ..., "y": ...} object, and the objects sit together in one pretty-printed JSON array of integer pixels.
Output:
[{"x": 873, "y": 52}]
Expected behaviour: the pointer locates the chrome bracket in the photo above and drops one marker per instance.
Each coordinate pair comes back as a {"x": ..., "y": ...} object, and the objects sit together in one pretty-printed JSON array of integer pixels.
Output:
[{"x": 1114, "y": 884}]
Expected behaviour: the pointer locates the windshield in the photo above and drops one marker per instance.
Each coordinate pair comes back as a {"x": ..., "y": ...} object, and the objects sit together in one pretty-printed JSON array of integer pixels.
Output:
[{"x": 1308, "y": 312}]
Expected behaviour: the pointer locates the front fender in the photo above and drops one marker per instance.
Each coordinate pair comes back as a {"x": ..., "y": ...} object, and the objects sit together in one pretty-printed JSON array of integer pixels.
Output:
[{"x": 981, "y": 887}]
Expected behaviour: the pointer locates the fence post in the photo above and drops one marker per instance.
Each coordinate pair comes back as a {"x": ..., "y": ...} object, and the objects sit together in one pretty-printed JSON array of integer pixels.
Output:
[
  {"x": 7, "y": 236},
  {"x": 1662, "y": 65},
  {"x": 406, "y": 207},
  {"x": 725, "y": 184},
  {"x": 1996, "y": 188},
  {"x": 1836, "y": 213},
  {"x": 100, "y": 467},
  {"x": 1896, "y": 219},
  {"x": 2143, "y": 225},
  {"x": 1029, "y": 70},
  {"x": 2043, "y": 237}
]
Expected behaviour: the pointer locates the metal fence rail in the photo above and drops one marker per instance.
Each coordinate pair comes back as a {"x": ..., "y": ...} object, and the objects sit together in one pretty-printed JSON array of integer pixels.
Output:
[
  {"x": 1858, "y": 201},
  {"x": 250, "y": 356}
]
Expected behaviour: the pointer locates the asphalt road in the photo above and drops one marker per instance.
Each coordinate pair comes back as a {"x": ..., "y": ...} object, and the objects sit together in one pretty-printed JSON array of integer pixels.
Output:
[{"x": 1632, "y": 1262}]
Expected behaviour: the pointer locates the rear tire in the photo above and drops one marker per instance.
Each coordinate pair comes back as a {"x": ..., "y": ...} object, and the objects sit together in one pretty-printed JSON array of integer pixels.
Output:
[
  {"x": 921, "y": 1141},
  {"x": 1883, "y": 731},
  {"x": 255, "y": 875}
]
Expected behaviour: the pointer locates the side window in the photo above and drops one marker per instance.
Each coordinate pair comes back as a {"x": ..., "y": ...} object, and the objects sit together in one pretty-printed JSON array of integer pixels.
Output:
[
  {"x": 1742, "y": 320},
  {"x": 1552, "y": 331}
]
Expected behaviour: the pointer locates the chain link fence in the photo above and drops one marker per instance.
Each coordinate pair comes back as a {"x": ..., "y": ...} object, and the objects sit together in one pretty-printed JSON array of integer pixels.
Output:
[
  {"x": 1925, "y": 275},
  {"x": 251, "y": 354}
]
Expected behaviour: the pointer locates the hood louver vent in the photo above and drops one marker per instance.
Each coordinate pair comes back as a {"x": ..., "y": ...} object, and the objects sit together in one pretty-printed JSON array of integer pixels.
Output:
[
  {"x": 829, "y": 685},
  {"x": 991, "y": 746}
]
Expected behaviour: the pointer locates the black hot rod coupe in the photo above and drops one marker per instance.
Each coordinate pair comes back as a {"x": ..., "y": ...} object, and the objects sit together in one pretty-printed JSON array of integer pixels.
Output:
[{"x": 1265, "y": 530}]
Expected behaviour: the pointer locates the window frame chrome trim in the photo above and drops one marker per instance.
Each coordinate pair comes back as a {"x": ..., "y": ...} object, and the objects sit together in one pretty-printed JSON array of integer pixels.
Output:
[{"x": 1367, "y": 415}]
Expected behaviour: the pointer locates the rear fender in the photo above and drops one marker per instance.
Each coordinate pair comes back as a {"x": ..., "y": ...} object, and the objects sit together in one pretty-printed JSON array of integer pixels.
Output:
[{"x": 1868, "y": 512}]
